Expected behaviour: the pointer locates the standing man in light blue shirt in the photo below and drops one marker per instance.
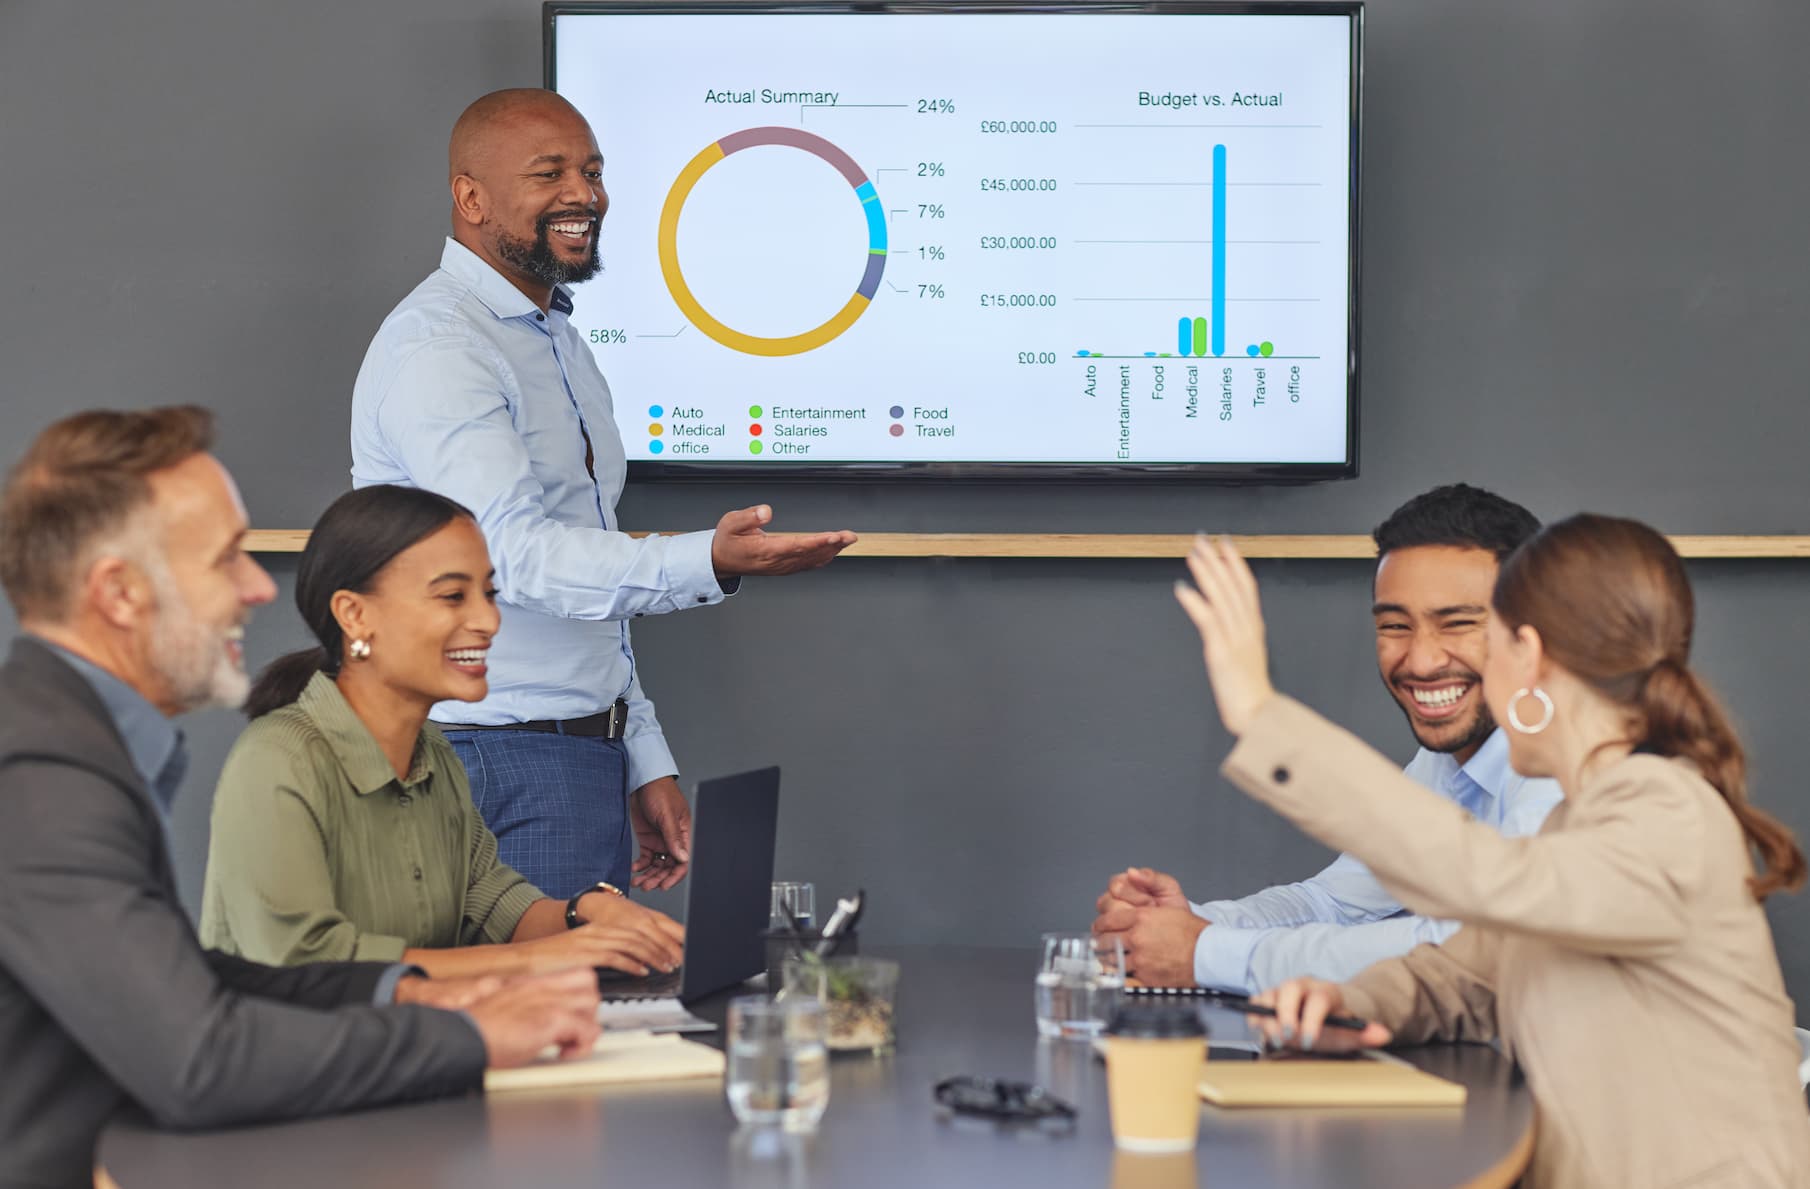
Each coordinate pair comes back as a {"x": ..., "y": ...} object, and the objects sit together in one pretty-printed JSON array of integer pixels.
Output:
[
  {"x": 477, "y": 386},
  {"x": 1436, "y": 568}
]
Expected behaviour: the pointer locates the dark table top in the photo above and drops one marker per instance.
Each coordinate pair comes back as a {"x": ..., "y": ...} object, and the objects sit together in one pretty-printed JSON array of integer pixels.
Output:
[{"x": 960, "y": 1011}]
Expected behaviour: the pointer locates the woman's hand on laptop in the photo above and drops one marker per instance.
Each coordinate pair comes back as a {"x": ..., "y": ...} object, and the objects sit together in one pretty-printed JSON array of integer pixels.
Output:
[
  {"x": 603, "y": 908},
  {"x": 641, "y": 947}
]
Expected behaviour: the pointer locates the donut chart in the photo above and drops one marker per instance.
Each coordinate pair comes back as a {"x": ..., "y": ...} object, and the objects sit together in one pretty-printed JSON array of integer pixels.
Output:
[{"x": 694, "y": 310}]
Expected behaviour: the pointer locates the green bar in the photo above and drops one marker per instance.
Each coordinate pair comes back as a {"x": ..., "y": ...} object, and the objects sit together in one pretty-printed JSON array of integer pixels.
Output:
[{"x": 1200, "y": 336}]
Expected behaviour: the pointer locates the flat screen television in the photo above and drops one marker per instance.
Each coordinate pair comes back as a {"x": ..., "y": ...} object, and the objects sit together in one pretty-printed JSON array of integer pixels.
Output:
[{"x": 974, "y": 240}]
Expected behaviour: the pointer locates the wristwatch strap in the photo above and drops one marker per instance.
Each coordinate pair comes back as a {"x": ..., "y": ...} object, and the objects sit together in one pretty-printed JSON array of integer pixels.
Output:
[{"x": 573, "y": 920}]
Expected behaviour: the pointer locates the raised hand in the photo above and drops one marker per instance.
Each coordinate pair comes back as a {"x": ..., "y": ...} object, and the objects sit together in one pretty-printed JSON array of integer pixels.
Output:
[{"x": 1223, "y": 605}]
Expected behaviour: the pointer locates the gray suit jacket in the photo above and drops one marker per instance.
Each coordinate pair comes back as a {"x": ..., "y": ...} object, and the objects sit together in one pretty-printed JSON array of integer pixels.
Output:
[{"x": 107, "y": 996}]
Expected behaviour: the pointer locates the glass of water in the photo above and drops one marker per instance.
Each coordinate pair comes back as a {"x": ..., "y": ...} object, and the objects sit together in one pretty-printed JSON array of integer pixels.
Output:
[
  {"x": 778, "y": 1062},
  {"x": 1078, "y": 984}
]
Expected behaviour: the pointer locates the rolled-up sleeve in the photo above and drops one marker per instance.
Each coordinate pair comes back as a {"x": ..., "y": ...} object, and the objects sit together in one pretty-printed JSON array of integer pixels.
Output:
[
  {"x": 499, "y": 895},
  {"x": 444, "y": 417}
]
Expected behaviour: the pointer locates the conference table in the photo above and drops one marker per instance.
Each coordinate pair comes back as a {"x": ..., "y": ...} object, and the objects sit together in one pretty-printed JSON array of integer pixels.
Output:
[{"x": 960, "y": 1011}]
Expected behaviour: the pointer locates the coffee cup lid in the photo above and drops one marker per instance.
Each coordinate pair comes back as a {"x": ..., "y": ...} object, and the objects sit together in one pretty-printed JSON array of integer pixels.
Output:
[{"x": 1156, "y": 1021}]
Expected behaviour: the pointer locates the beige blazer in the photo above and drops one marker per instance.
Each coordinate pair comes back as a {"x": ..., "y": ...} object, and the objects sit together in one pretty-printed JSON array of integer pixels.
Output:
[{"x": 1618, "y": 955}]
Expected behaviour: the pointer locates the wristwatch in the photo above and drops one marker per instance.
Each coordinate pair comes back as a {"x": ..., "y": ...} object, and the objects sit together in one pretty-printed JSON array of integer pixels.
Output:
[{"x": 573, "y": 920}]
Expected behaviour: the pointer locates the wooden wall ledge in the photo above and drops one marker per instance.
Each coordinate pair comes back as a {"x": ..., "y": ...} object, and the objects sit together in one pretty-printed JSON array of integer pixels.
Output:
[{"x": 1150, "y": 545}]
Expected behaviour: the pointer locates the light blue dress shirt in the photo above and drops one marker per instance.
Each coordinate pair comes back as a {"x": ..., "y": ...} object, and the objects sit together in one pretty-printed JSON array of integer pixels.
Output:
[
  {"x": 470, "y": 391},
  {"x": 1338, "y": 922}
]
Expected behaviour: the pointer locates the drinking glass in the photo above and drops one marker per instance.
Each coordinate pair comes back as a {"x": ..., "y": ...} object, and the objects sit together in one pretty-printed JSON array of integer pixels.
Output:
[
  {"x": 801, "y": 898},
  {"x": 778, "y": 1064},
  {"x": 1078, "y": 984}
]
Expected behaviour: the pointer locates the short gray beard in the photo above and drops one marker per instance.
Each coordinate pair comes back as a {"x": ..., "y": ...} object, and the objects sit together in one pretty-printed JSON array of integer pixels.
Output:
[{"x": 189, "y": 656}]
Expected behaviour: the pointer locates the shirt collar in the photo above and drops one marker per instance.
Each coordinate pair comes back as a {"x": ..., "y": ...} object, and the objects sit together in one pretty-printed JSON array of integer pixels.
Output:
[
  {"x": 1487, "y": 770},
  {"x": 153, "y": 743},
  {"x": 493, "y": 288},
  {"x": 353, "y": 745}
]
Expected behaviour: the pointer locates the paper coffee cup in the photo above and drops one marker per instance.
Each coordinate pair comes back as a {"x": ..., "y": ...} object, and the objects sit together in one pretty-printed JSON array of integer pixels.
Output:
[{"x": 1154, "y": 1055}]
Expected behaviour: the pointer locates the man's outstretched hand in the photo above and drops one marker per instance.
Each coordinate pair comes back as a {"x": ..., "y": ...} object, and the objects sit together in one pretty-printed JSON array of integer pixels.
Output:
[{"x": 743, "y": 546}]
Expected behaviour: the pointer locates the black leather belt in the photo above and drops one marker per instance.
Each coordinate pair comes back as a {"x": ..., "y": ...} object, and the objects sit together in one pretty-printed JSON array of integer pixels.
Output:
[{"x": 610, "y": 724}]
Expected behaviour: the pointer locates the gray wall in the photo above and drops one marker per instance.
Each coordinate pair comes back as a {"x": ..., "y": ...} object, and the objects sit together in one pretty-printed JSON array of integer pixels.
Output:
[{"x": 1584, "y": 277}]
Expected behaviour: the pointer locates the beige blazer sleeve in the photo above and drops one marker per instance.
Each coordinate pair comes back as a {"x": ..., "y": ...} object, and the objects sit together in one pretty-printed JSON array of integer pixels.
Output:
[
  {"x": 1613, "y": 880},
  {"x": 1433, "y": 992}
]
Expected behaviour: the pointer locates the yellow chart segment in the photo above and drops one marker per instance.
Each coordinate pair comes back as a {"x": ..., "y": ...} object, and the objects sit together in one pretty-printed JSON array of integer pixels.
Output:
[{"x": 694, "y": 310}]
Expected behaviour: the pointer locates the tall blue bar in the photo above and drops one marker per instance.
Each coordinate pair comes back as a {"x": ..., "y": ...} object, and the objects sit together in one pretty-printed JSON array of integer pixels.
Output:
[
  {"x": 1219, "y": 249},
  {"x": 1184, "y": 336}
]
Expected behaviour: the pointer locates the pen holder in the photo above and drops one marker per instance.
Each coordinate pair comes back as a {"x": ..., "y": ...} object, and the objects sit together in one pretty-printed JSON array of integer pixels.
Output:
[{"x": 781, "y": 945}]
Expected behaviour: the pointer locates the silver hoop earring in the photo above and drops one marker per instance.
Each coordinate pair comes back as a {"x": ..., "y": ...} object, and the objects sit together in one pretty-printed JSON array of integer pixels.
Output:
[
  {"x": 1514, "y": 710},
  {"x": 360, "y": 650}
]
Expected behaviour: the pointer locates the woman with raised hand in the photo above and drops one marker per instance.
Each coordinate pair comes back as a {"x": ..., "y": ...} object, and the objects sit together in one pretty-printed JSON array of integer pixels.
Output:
[
  {"x": 343, "y": 825},
  {"x": 1621, "y": 955}
]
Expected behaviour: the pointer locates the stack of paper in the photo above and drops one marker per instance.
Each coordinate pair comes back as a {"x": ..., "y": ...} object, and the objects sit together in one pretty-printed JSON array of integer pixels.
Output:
[{"x": 617, "y": 1057}]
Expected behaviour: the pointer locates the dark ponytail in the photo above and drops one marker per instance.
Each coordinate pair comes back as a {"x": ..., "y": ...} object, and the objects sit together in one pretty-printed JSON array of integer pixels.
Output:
[
  {"x": 1613, "y": 605},
  {"x": 283, "y": 681},
  {"x": 358, "y": 535}
]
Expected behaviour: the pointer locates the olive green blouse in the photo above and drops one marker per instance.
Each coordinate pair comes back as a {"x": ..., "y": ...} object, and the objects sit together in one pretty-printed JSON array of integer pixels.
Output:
[{"x": 320, "y": 854}]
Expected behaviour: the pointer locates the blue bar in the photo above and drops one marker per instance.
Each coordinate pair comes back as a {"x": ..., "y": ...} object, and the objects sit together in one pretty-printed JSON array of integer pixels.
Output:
[
  {"x": 1184, "y": 336},
  {"x": 1219, "y": 249}
]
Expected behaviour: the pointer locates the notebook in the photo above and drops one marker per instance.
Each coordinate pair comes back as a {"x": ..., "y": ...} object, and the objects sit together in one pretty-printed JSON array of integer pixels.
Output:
[
  {"x": 1372, "y": 1080},
  {"x": 616, "y": 1057}
]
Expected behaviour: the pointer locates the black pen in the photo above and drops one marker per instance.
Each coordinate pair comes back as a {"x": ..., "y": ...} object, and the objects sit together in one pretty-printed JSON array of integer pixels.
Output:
[{"x": 1241, "y": 1002}]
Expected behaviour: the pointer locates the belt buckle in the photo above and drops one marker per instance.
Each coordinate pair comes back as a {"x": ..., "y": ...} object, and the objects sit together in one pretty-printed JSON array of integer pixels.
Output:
[{"x": 617, "y": 725}]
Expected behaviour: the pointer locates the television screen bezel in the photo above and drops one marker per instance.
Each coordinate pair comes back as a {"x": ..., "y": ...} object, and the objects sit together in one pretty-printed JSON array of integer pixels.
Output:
[{"x": 1083, "y": 472}]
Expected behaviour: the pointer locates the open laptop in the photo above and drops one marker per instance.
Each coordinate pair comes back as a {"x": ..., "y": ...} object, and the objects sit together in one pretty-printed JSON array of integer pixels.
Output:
[{"x": 727, "y": 893}]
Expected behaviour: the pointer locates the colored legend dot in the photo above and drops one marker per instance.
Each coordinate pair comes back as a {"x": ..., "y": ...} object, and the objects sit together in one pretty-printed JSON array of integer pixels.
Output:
[
  {"x": 754, "y": 430},
  {"x": 655, "y": 446},
  {"x": 897, "y": 431},
  {"x": 655, "y": 430},
  {"x": 754, "y": 447},
  {"x": 655, "y": 411},
  {"x": 896, "y": 411},
  {"x": 754, "y": 411}
]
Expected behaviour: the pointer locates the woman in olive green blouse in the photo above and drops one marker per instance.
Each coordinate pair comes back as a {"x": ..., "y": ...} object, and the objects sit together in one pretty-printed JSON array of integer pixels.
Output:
[{"x": 343, "y": 825}]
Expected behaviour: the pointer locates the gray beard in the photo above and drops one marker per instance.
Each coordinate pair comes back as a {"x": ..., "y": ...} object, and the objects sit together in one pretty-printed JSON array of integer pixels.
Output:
[{"x": 190, "y": 656}]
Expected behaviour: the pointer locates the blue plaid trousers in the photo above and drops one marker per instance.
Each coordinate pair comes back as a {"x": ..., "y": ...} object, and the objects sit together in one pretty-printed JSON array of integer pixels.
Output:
[{"x": 558, "y": 805}]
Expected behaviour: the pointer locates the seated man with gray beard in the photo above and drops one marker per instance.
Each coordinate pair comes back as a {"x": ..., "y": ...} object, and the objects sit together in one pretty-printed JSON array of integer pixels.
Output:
[{"x": 122, "y": 551}]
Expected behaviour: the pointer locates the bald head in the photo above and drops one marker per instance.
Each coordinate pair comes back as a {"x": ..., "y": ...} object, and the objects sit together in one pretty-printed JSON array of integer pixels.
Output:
[
  {"x": 503, "y": 118},
  {"x": 527, "y": 189}
]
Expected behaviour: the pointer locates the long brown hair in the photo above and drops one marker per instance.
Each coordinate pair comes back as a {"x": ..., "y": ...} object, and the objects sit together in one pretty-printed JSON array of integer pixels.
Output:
[{"x": 1613, "y": 605}]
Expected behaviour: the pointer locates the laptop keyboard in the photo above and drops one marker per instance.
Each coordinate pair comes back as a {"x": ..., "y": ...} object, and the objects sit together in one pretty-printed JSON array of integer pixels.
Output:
[{"x": 617, "y": 986}]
